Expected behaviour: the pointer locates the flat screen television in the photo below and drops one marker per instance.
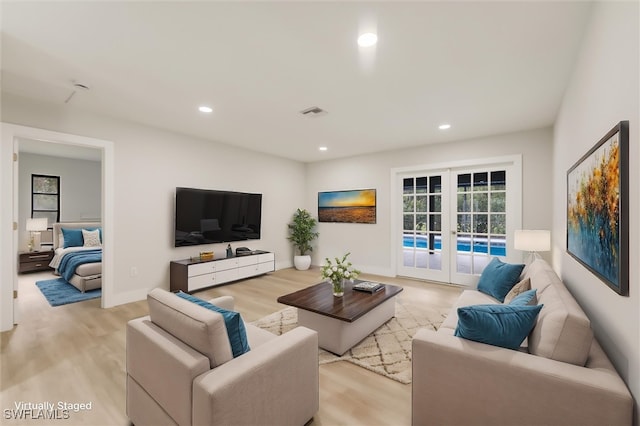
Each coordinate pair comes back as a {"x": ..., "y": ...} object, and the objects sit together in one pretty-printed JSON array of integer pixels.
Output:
[{"x": 207, "y": 217}]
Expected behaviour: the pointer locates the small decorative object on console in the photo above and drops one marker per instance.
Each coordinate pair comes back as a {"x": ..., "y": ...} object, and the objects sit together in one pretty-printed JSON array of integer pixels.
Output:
[
  {"x": 368, "y": 286},
  {"x": 337, "y": 272},
  {"x": 206, "y": 255}
]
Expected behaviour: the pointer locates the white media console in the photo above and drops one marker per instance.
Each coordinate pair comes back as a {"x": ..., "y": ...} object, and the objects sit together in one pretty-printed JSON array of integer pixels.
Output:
[{"x": 189, "y": 275}]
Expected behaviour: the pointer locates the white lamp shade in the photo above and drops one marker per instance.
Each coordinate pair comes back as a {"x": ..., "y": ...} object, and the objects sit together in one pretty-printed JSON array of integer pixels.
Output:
[
  {"x": 532, "y": 240},
  {"x": 37, "y": 224}
]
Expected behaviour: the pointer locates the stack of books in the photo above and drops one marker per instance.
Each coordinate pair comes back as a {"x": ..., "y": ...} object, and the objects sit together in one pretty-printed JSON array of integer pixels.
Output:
[{"x": 368, "y": 286}]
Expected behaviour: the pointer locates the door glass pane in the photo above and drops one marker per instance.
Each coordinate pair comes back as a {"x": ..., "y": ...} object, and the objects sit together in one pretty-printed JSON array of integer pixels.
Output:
[
  {"x": 463, "y": 263},
  {"x": 481, "y": 202},
  {"x": 498, "y": 180},
  {"x": 435, "y": 260},
  {"x": 463, "y": 243},
  {"x": 479, "y": 262},
  {"x": 498, "y": 246},
  {"x": 498, "y": 224},
  {"x": 435, "y": 183},
  {"x": 421, "y": 185},
  {"x": 435, "y": 203},
  {"x": 421, "y": 222},
  {"x": 422, "y": 259},
  {"x": 498, "y": 201},
  {"x": 480, "y": 225},
  {"x": 464, "y": 182},
  {"x": 421, "y": 203},
  {"x": 464, "y": 223},
  {"x": 407, "y": 185},
  {"x": 464, "y": 202},
  {"x": 435, "y": 222},
  {"x": 408, "y": 222},
  {"x": 408, "y": 204},
  {"x": 480, "y": 181},
  {"x": 52, "y": 217}
]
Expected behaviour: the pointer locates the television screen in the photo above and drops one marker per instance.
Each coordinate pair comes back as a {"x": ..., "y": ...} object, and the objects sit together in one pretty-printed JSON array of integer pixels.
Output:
[{"x": 207, "y": 217}]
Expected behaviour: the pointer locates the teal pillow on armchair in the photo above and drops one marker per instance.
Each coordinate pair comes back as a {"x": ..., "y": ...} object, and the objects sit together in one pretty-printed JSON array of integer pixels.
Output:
[{"x": 498, "y": 278}]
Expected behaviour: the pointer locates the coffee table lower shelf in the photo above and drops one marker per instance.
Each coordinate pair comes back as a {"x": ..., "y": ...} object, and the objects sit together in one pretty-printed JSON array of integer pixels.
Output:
[{"x": 338, "y": 336}]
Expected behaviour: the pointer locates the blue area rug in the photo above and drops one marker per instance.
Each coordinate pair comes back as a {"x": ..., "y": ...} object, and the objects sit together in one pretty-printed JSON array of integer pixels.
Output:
[{"x": 59, "y": 292}]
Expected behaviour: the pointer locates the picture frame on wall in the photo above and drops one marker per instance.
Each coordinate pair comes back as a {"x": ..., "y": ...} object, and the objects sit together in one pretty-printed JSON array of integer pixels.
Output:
[
  {"x": 598, "y": 209},
  {"x": 350, "y": 206}
]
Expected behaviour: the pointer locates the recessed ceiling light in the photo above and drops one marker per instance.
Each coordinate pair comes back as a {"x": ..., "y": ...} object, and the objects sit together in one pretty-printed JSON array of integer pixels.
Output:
[
  {"x": 205, "y": 109},
  {"x": 367, "y": 40},
  {"x": 323, "y": 148},
  {"x": 444, "y": 126}
]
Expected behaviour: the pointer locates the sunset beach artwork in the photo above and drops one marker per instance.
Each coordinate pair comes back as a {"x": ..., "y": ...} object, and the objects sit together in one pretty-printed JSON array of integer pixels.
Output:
[{"x": 354, "y": 206}]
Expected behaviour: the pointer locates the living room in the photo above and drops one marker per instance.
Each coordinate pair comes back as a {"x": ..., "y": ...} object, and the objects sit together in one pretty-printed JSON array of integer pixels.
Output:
[{"x": 144, "y": 164}]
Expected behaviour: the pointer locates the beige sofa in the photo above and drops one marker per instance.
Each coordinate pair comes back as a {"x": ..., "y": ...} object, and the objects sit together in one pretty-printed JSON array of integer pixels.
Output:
[
  {"x": 560, "y": 377},
  {"x": 181, "y": 370}
]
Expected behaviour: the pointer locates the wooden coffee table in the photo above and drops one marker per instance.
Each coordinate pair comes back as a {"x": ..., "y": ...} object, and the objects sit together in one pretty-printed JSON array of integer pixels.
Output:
[{"x": 342, "y": 322}]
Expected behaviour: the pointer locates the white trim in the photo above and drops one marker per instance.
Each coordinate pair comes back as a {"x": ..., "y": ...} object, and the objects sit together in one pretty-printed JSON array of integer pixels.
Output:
[{"x": 8, "y": 214}]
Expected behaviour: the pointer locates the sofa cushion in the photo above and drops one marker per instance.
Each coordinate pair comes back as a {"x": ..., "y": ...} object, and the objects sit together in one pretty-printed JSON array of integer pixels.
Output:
[
  {"x": 498, "y": 325},
  {"x": 498, "y": 278},
  {"x": 517, "y": 289},
  {"x": 526, "y": 298},
  {"x": 467, "y": 298},
  {"x": 200, "y": 328},
  {"x": 233, "y": 322}
]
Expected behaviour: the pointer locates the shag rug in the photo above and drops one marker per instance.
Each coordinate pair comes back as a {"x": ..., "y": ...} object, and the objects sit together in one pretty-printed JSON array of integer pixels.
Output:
[
  {"x": 386, "y": 351},
  {"x": 60, "y": 292}
]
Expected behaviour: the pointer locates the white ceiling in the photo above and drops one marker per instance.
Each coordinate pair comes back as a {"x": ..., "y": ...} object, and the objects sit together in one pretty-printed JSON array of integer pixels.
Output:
[{"x": 485, "y": 67}]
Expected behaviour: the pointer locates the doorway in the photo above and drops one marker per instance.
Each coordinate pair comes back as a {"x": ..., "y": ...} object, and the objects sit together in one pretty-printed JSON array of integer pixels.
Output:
[
  {"x": 11, "y": 135},
  {"x": 451, "y": 220}
]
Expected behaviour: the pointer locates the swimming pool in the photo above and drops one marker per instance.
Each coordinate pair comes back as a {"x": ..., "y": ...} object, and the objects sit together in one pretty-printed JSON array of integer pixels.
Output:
[{"x": 464, "y": 245}]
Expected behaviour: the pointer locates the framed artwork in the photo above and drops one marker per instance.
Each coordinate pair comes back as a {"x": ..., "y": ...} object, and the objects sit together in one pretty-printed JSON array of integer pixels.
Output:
[
  {"x": 354, "y": 206},
  {"x": 598, "y": 209}
]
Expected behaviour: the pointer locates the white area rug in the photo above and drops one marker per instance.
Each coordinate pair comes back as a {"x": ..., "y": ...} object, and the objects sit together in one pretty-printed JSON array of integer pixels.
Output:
[{"x": 387, "y": 351}]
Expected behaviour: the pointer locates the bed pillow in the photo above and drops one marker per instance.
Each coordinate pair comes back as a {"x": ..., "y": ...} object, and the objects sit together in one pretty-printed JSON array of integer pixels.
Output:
[
  {"x": 505, "y": 326},
  {"x": 498, "y": 278},
  {"x": 72, "y": 237},
  {"x": 91, "y": 238},
  {"x": 235, "y": 326}
]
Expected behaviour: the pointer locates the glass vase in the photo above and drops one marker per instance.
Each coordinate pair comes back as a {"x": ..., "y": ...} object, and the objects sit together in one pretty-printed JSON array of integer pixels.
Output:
[{"x": 338, "y": 287}]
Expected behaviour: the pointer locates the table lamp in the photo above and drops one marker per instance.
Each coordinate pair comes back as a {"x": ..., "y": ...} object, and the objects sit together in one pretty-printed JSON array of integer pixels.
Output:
[
  {"x": 35, "y": 226},
  {"x": 533, "y": 241}
]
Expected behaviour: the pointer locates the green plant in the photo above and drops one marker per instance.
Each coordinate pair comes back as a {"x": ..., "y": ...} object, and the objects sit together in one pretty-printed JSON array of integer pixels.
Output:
[
  {"x": 301, "y": 231},
  {"x": 341, "y": 269}
]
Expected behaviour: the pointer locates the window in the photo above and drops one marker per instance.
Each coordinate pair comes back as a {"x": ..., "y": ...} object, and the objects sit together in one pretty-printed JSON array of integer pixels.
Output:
[{"x": 45, "y": 197}]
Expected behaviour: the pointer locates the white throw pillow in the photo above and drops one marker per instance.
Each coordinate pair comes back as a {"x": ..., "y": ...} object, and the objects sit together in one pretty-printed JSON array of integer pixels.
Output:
[{"x": 91, "y": 238}]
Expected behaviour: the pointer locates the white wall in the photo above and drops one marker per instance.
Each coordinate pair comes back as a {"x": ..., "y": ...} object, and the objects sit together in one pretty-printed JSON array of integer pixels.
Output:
[
  {"x": 603, "y": 91},
  {"x": 80, "y": 188},
  {"x": 149, "y": 165},
  {"x": 370, "y": 244}
]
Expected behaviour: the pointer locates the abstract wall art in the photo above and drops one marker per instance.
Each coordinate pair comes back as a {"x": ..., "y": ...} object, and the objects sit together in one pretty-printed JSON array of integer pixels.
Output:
[{"x": 598, "y": 209}]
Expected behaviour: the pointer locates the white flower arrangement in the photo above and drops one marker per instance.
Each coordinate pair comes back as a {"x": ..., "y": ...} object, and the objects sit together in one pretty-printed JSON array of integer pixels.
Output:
[{"x": 341, "y": 269}]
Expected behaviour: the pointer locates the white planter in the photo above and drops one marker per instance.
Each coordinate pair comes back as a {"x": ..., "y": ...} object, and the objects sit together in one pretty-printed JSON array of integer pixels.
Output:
[{"x": 302, "y": 263}]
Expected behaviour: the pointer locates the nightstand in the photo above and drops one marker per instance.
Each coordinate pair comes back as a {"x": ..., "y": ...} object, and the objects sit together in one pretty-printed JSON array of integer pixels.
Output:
[{"x": 34, "y": 261}]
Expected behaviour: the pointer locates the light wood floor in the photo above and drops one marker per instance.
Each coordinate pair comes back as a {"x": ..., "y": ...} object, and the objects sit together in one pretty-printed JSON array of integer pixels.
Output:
[{"x": 76, "y": 353}]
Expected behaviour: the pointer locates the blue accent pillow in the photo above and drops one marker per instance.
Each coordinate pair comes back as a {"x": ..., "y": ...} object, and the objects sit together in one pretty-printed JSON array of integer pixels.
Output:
[
  {"x": 498, "y": 278},
  {"x": 235, "y": 326},
  {"x": 525, "y": 298},
  {"x": 498, "y": 325},
  {"x": 72, "y": 237}
]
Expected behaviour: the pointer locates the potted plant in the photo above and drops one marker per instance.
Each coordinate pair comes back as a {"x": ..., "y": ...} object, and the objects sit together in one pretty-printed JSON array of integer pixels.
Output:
[{"x": 302, "y": 232}]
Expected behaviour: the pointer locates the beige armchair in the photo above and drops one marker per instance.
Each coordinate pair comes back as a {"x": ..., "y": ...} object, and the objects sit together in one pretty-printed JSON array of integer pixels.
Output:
[{"x": 180, "y": 370}]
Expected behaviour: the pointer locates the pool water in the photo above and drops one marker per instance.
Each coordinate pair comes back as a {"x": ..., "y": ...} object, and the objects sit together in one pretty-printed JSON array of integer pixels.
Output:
[{"x": 479, "y": 246}]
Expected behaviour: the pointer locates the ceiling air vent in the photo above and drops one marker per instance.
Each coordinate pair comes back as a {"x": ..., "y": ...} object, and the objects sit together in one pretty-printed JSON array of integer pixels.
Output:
[{"x": 313, "y": 112}]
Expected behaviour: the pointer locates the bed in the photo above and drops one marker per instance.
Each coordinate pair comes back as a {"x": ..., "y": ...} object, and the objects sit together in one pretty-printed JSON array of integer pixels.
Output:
[{"x": 80, "y": 262}]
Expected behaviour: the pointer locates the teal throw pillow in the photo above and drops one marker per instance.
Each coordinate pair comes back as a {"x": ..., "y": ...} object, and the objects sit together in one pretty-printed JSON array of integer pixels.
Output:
[
  {"x": 72, "y": 237},
  {"x": 498, "y": 278},
  {"x": 498, "y": 325},
  {"x": 526, "y": 298},
  {"x": 235, "y": 326}
]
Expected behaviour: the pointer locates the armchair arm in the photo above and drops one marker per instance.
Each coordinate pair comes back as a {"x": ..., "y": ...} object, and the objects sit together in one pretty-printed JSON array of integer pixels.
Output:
[
  {"x": 458, "y": 381},
  {"x": 275, "y": 383}
]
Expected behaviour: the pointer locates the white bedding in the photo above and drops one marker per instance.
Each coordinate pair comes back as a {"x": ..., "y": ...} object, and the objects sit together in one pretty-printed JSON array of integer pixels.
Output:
[{"x": 60, "y": 252}]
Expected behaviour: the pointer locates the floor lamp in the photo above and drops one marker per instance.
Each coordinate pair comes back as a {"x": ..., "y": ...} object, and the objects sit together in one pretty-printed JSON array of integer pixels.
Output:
[
  {"x": 35, "y": 226},
  {"x": 533, "y": 241}
]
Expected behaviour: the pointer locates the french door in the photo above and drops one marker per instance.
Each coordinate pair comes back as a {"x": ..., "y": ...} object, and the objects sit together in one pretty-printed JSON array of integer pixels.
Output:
[{"x": 453, "y": 221}]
